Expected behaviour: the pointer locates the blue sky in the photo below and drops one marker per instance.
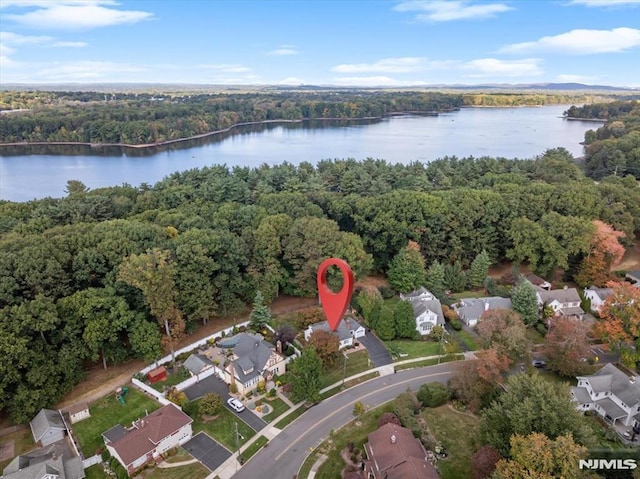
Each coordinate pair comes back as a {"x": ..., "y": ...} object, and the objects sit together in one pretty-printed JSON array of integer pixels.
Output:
[{"x": 321, "y": 42}]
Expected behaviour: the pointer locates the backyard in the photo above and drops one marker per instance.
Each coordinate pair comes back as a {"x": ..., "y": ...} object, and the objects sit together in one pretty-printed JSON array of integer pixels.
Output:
[{"x": 106, "y": 413}]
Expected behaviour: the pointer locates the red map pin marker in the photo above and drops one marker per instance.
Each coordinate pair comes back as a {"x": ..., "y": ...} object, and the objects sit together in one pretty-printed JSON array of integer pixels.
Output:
[{"x": 335, "y": 304}]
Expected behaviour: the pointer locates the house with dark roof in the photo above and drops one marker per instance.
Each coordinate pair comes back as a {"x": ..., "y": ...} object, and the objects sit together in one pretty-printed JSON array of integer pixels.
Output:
[
  {"x": 564, "y": 302},
  {"x": 251, "y": 359},
  {"x": 612, "y": 393},
  {"x": 393, "y": 453},
  {"x": 148, "y": 437},
  {"x": 427, "y": 310},
  {"x": 470, "y": 310},
  {"x": 597, "y": 296},
  {"x": 537, "y": 281},
  {"x": 197, "y": 363},
  {"x": 47, "y": 427},
  {"x": 348, "y": 331},
  {"x": 48, "y": 465}
]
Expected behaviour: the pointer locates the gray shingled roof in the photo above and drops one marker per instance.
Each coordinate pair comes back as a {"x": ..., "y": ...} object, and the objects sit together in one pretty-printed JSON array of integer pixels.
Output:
[
  {"x": 251, "y": 349},
  {"x": 611, "y": 408},
  {"x": 610, "y": 378},
  {"x": 115, "y": 433},
  {"x": 416, "y": 294},
  {"x": 472, "y": 308},
  {"x": 36, "y": 467},
  {"x": 602, "y": 293},
  {"x": 581, "y": 395},
  {"x": 197, "y": 362},
  {"x": 420, "y": 306},
  {"x": 343, "y": 330},
  {"x": 568, "y": 295},
  {"x": 46, "y": 419}
]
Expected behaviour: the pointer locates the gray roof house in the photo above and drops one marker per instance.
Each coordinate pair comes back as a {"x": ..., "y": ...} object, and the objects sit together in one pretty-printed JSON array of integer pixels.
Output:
[
  {"x": 564, "y": 302},
  {"x": 597, "y": 296},
  {"x": 196, "y": 363},
  {"x": 41, "y": 464},
  {"x": 471, "y": 309},
  {"x": 612, "y": 393},
  {"x": 47, "y": 427},
  {"x": 427, "y": 310},
  {"x": 348, "y": 329},
  {"x": 633, "y": 276}
]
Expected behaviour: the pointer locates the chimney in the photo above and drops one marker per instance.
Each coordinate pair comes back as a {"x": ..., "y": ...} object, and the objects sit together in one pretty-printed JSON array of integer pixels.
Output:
[
  {"x": 632, "y": 379},
  {"x": 486, "y": 305},
  {"x": 279, "y": 346},
  {"x": 393, "y": 439}
]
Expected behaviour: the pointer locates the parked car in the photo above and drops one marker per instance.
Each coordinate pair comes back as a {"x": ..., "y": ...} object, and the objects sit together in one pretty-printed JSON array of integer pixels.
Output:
[
  {"x": 235, "y": 404},
  {"x": 538, "y": 363}
]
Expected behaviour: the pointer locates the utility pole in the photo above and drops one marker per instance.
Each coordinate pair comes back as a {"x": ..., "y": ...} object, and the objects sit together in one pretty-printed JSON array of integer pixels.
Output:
[
  {"x": 344, "y": 368},
  {"x": 237, "y": 446}
]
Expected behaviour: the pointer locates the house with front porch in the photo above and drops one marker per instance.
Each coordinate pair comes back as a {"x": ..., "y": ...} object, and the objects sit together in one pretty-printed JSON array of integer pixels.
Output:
[
  {"x": 348, "y": 331},
  {"x": 563, "y": 302},
  {"x": 612, "y": 393},
  {"x": 427, "y": 310}
]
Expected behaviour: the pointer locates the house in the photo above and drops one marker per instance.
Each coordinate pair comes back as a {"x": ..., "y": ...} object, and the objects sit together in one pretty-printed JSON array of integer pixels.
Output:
[
  {"x": 612, "y": 393},
  {"x": 47, "y": 427},
  {"x": 41, "y": 464},
  {"x": 471, "y": 309},
  {"x": 564, "y": 302},
  {"x": 148, "y": 437},
  {"x": 251, "y": 359},
  {"x": 538, "y": 281},
  {"x": 197, "y": 363},
  {"x": 158, "y": 374},
  {"x": 597, "y": 296},
  {"x": 78, "y": 412},
  {"x": 347, "y": 331},
  {"x": 427, "y": 310},
  {"x": 634, "y": 277},
  {"x": 393, "y": 453}
]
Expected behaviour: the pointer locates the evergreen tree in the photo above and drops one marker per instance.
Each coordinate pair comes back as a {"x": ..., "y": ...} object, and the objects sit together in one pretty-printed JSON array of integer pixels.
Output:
[
  {"x": 479, "y": 269},
  {"x": 455, "y": 279},
  {"x": 405, "y": 323},
  {"x": 260, "y": 314},
  {"x": 525, "y": 302},
  {"x": 305, "y": 375},
  {"x": 435, "y": 279},
  {"x": 406, "y": 271},
  {"x": 386, "y": 324}
]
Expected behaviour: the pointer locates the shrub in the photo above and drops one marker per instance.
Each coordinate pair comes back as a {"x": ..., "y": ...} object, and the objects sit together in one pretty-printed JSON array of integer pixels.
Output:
[
  {"x": 456, "y": 324},
  {"x": 210, "y": 404},
  {"x": 358, "y": 409},
  {"x": 541, "y": 328},
  {"x": 387, "y": 292},
  {"x": 388, "y": 417},
  {"x": 433, "y": 394},
  {"x": 271, "y": 393}
]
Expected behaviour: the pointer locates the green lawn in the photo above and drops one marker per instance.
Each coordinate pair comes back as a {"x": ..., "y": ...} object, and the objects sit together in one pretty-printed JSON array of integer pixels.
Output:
[
  {"x": 190, "y": 471},
  {"x": 348, "y": 384},
  {"x": 289, "y": 418},
  {"x": 469, "y": 339},
  {"x": 95, "y": 472},
  {"x": 457, "y": 432},
  {"x": 357, "y": 363},
  {"x": 534, "y": 336},
  {"x": 469, "y": 294},
  {"x": 412, "y": 349},
  {"x": 278, "y": 406},
  {"x": 429, "y": 362},
  {"x": 222, "y": 429},
  {"x": 253, "y": 448},
  {"x": 106, "y": 413}
]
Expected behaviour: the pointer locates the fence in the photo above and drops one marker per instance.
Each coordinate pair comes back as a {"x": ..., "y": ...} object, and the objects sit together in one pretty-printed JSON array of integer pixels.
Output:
[
  {"x": 194, "y": 379},
  {"x": 90, "y": 461},
  {"x": 149, "y": 390}
]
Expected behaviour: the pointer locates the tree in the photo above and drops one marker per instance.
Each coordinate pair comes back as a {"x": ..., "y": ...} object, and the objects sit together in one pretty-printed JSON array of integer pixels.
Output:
[
  {"x": 388, "y": 417},
  {"x": 435, "y": 279},
  {"x": 504, "y": 331},
  {"x": 525, "y": 302},
  {"x": 370, "y": 304},
  {"x": 479, "y": 270},
  {"x": 407, "y": 269},
  {"x": 605, "y": 251},
  {"x": 565, "y": 345},
  {"x": 75, "y": 187},
  {"x": 619, "y": 322},
  {"x": 432, "y": 394},
  {"x": 286, "y": 334},
  {"x": 210, "y": 404},
  {"x": 358, "y": 409},
  {"x": 484, "y": 462},
  {"x": 386, "y": 324},
  {"x": 326, "y": 346},
  {"x": 455, "y": 278},
  {"x": 260, "y": 314},
  {"x": 305, "y": 373},
  {"x": 177, "y": 397},
  {"x": 535, "y": 455},
  {"x": 405, "y": 320},
  {"x": 535, "y": 404}
]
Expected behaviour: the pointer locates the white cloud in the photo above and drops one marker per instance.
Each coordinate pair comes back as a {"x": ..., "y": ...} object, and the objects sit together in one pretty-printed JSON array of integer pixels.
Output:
[
  {"x": 374, "y": 81},
  {"x": 225, "y": 68},
  {"x": 17, "y": 39},
  {"x": 386, "y": 65},
  {"x": 70, "y": 44},
  {"x": 284, "y": 50},
  {"x": 70, "y": 14},
  {"x": 85, "y": 70},
  {"x": 294, "y": 81},
  {"x": 494, "y": 68},
  {"x": 605, "y": 3},
  {"x": 582, "y": 42},
  {"x": 445, "y": 11},
  {"x": 569, "y": 78}
]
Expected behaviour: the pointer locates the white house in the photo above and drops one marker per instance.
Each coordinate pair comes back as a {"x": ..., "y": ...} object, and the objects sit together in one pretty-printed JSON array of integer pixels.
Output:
[
  {"x": 470, "y": 310},
  {"x": 597, "y": 296},
  {"x": 427, "y": 310},
  {"x": 148, "y": 437},
  {"x": 611, "y": 393},
  {"x": 78, "y": 412},
  {"x": 47, "y": 427},
  {"x": 564, "y": 302},
  {"x": 348, "y": 331}
]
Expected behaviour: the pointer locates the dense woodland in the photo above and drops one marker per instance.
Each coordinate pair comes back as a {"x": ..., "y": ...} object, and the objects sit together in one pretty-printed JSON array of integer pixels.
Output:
[{"x": 121, "y": 272}]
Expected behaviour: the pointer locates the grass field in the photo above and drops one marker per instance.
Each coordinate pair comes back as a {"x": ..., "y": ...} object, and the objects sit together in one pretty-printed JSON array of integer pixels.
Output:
[
  {"x": 412, "y": 349},
  {"x": 457, "y": 432},
  {"x": 190, "y": 471},
  {"x": 222, "y": 429},
  {"x": 357, "y": 363},
  {"x": 278, "y": 406},
  {"x": 95, "y": 472},
  {"x": 106, "y": 413},
  {"x": 468, "y": 339},
  {"x": 253, "y": 448}
]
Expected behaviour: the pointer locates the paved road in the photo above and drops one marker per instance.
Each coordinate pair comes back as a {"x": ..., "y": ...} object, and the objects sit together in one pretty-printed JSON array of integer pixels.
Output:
[
  {"x": 377, "y": 352},
  {"x": 213, "y": 384},
  {"x": 288, "y": 450}
]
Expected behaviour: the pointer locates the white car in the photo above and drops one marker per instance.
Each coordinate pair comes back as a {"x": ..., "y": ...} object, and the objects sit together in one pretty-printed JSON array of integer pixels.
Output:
[{"x": 235, "y": 404}]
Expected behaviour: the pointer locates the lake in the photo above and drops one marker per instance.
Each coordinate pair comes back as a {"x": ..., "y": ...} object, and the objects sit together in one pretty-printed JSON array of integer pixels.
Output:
[{"x": 29, "y": 172}]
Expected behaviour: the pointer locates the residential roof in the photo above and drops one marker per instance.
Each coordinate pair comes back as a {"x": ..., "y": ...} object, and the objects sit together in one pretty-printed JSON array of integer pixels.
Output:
[
  {"x": 250, "y": 349},
  {"x": 46, "y": 419},
  {"x": 420, "y": 293},
  {"x": 611, "y": 408},
  {"x": 566, "y": 295},
  {"x": 581, "y": 395},
  {"x": 635, "y": 275},
  {"x": 573, "y": 311},
  {"x": 38, "y": 466},
  {"x": 116, "y": 432},
  {"x": 611, "y": 378},
  {"x": 536, "y": 280},
  {"x": 472, "y": 308},
  {"x": 602, "y": 293},
  {"x": 398, "y": 454},
  {"x": 343, "y": 330},
  {"x": 147, "y": 432},
  {"x": 78, "y": 407},
  {"x": 197, "y": 362},
  {"x": 420, "y": 306}
]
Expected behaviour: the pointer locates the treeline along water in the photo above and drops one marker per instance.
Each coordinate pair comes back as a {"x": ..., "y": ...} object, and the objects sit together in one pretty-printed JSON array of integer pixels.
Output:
[{"x": 39, "y": 171}]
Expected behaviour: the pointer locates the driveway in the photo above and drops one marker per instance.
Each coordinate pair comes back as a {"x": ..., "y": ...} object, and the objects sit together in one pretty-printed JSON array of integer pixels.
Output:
[
  {"x": 207, "y": 451},
  {"x": 377, "y": 352},
  {"x": 213, "y": 384}
]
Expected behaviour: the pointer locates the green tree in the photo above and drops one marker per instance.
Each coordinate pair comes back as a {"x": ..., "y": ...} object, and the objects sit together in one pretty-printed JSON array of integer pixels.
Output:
[
  {"x": 479, "y": 269},
  {"x": 358, "y": 409},
  {"x": 305, "y": 373},
  {"x": 525, "y": 302},
  {"x": 210, "y": 404},
  {"x": 405, "y": 323},
  {"x": 407, "y": 269},
  {"x": 435, "y": 279},
  {"x": 386, "y": 324},
  {"x": 75, "y": 187},
  {"x": 260, "y": 314},
  {"x": 369, "y": 302},
  {"x": 455, "y": 278},
  {"x": 432, "y": 394}
]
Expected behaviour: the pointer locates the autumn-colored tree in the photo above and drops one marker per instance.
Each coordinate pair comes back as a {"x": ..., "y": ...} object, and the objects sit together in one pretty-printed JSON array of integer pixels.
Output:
[
  {"x": 605, "y": 251},
  {"x": 210, "y": 404},
  {"x": 537, "y": 456},
  {"x": 565, "y": 345},
  {"x": 326, "y": 346},
  {"x": 388, "y": 417},
  {"x": 177, "y": 397},
  {"x": 619, "y": 322},
  {"x": 484, "y": 462},
  {"x": 503, "y": 330}
]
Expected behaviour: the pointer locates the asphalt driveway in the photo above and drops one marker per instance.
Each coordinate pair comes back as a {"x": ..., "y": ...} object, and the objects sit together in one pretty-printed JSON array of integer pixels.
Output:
[
  {"x": 207, "y": 451},
  {"x": 377, "y": 352}
]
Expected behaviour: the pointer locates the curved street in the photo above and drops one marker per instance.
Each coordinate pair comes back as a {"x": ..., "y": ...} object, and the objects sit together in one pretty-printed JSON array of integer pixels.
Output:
[{"x": 288, "y": 450}]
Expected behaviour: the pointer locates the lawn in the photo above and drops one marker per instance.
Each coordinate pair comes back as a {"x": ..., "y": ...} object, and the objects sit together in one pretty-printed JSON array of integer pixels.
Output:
[
  {"x": 289, "y": 418},
  {"x": 357, "y": 363},
  {"x": 253, "y": 448},
  {"x": 278, "y": 406},
  {"x": 172, "y": 379},
  {"x": 95, "y": 472},
  {"x": 457, "y": 432},
  {"x": 412, "y": 349},
  {"x": 534, "y": 336},
  {"x": 348, "y": 384},
  {"x": 22, "y": 442},
  {"x": 469, "y": 339},
  {"x": 106, "y": 413},
  {"x": 190, "y": 471},
  {"x": 429, "y": 362},
  {"x": 223, "y": 428},
  {"x": 469, "y": 294}
]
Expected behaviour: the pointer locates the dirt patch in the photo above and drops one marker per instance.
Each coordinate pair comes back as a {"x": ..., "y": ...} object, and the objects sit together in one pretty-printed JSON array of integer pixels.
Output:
[
  {"x": 7, "y": 450},
  {"x": 631, "y": 259},
  {"x": 205, "y": 418},
  {"x": 371, "y": 282}
]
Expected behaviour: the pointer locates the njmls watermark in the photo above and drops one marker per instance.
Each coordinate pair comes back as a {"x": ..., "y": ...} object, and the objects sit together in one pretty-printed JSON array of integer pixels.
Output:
[{"x": 609, "y": 464}]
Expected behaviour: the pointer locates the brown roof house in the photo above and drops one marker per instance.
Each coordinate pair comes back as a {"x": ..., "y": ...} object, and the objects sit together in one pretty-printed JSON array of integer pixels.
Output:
[
  {"x": 148, "y": 437},
  {"x": 393, "y": 453}
]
